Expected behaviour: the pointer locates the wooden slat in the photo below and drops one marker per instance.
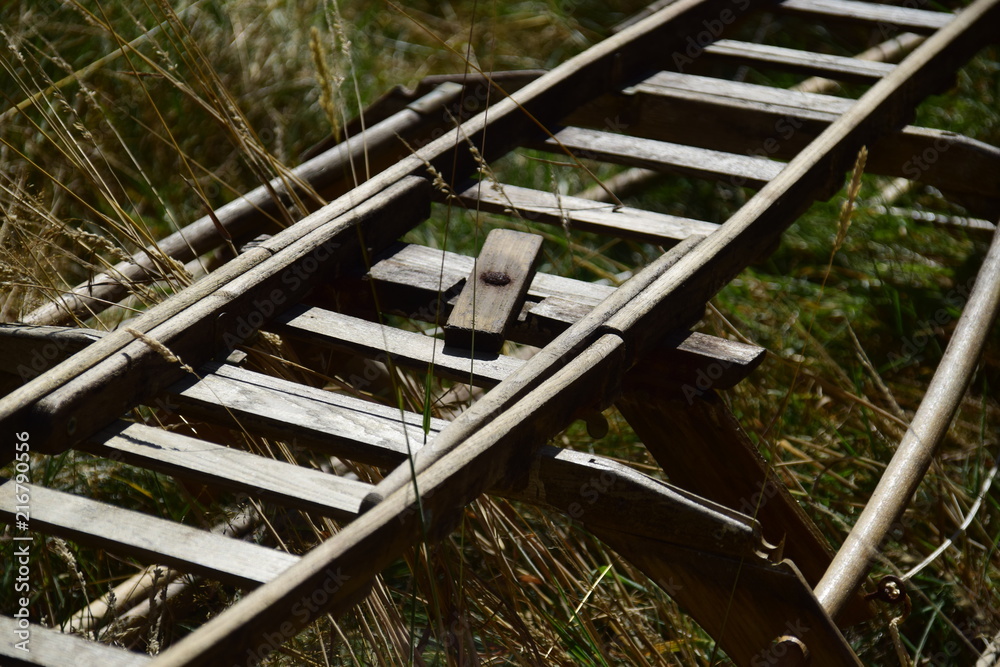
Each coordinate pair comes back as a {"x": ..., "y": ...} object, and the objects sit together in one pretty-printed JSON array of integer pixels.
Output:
[
  {"x": 222, "y": 467},
  {"x": 583, "y": 214},
  {"x": 382, "y": 343},
  {"x": 410, "y": 275},
  {"x": 216, "y": 313},
  {"x": 746, "y": 118},
  {"x": 52, "y": 648},
  {"x": 904, "y": 18},
  {"x": 798, "y": 61},
  {"x": 493, "y": 294},
  {"x": 334, "y": 423},
  {"x": 752, "y": 171},
  {"x": 148, "y": 538}
]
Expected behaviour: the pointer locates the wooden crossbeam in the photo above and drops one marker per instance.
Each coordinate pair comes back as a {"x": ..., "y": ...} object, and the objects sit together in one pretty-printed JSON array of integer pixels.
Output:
[{"x": 148, "y": 538}]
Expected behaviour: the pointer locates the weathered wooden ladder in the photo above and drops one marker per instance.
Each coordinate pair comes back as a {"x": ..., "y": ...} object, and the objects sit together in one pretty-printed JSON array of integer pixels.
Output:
[{"x": 630, "y": 100}]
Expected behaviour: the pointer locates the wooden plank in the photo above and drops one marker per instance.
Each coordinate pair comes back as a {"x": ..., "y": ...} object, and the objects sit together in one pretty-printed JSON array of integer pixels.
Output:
[
  {"x": 148, "y": 538},
  {"x": 333, "y": 423},
  {"x": 884, "y": 16},
  {"x": 216, "y": 313},
  {"x": 814, "y": 173},
  {"x": 223, "y": 467},
  {"x": 798, "y": 61},
  {"x": 686, "y": 358},
  {"x": 758, "y": 120},
  {"x": 494, "y": 292},
  {"x": 381, "y": 343},
  {"x": 583, "y": 214},
  {"x": 47, "y": 647},
  {"x": 344, "y": 564},
  {"x": 681, "y": 159}
]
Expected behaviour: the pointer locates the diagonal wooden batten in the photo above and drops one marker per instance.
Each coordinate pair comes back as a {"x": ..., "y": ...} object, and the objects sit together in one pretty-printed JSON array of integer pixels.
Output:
[
  {"x": 913, "y": 457},
  {"x": 494, "y": 292},
  {"x": 624, "y": 57},
  {"x": 215, "y": 314}
]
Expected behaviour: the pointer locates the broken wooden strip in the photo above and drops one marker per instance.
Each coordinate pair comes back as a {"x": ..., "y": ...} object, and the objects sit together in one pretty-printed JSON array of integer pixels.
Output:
[
  {"x": 148, "y": 538},
  {"x": 798, "y": 61},
  {"x": 333, "y": 423},
  {"x": 215, "y": 314},
  {"x": 759, "y": 120},
  {"x": 494, "y": 292},
  {"x": 223, "y": 467},
  {"x": 382, "y": 343},
  {"x": 884, "y": 16},
  {"x": 681, "y": 159},
  {"x": 686, "y": 358},
  {"x": 583, "y": 214},
  {"x": 47, "y": 647}
]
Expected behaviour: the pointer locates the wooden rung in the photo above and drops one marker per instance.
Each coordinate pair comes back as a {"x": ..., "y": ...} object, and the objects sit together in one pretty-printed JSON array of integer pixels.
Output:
[
  {"x": 740, "y": 117},
  {"x": 405, "y": 348},
  {"x": 411, "y": 273},
  {"x": 147, "y": 538},
  {"x": 51, "y": 648},
  {"x": 803, "y": 62},
  {"x": 904, "y": 18},
  {"x": 223, "y": 467},
  {"x": 584, "y": 214},
  {"x": 748, "y": 170},
  {"x": 334, "y": 423},
  {"x": 493, "y": 295}
]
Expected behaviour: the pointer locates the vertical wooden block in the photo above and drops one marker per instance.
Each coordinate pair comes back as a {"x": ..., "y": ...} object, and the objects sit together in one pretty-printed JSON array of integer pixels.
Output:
[{"x": 494, "y": 292}]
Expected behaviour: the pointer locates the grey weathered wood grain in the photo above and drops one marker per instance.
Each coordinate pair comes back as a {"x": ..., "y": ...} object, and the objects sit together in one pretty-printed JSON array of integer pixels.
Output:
[
  {"x": 493, "y": 293},
  {"x": 49, "y": 648},
  {"x": 148, "y": 538},
  {"x": 795, "y": 60},
  {"x": 334, "y": 423},
  {"x": 224, "y": 467},
  {"x": 383, "y": 343},
  {"x": 746, "y": 118},
  {"x": 664, "y": 156},
  {"x": 213, "y": 315},
  {"x": 583, "y": 214},
  {"x": 905, "y": 18}
]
